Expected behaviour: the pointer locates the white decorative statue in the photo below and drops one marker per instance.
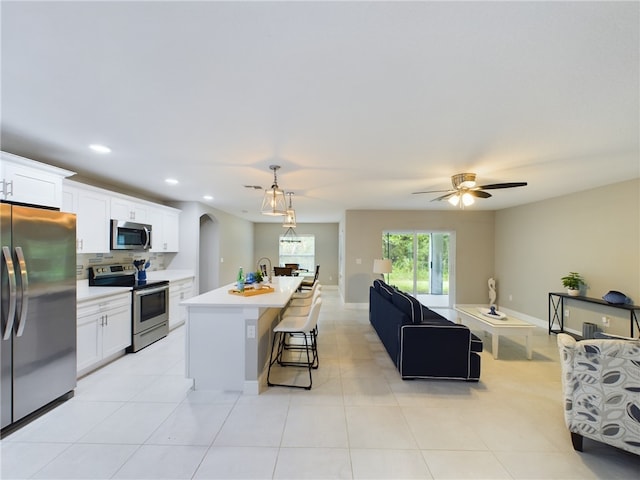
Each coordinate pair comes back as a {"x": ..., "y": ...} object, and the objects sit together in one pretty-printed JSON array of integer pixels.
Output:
[{"x": 492, "y": 292}]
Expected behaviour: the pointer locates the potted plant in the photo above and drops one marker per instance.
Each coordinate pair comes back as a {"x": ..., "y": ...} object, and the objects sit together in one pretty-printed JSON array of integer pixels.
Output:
[
  {"x": 258, "y": 279},
  {"x": 572, "y": 283}
]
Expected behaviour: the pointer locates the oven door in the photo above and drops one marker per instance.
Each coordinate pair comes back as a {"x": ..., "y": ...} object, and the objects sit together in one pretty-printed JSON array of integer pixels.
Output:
[{"x": 150, "y": 308}]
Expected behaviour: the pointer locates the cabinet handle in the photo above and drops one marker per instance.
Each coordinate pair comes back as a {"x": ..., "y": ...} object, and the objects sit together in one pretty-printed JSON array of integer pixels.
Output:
[{"x": 5, "y": 188}]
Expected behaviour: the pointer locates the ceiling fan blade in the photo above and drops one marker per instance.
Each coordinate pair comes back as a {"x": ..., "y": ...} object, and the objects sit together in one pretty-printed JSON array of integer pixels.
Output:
[
  {"x": 432, "y": 191},
  {"x": 479, "y": 194},
  {"x": 494, "y": 186},
  {"x": 444, "y": 197}
]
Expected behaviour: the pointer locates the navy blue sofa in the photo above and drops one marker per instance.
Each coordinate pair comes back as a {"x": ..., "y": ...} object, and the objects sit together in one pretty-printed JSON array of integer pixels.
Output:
[{"x": 422, "y": 343}]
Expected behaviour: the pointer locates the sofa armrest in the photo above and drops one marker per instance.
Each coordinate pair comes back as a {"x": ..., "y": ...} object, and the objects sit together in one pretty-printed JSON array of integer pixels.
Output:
[
  {"x": 443, "y": 350},
  {"x": 601, "y": 387}
]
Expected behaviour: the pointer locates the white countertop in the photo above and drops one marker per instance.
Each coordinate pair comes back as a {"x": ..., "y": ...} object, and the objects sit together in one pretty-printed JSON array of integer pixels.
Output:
[
  {"x": 85, "y": 292},
  {"x": 171, "y": 275},
  {"x": 220, "y": 297}
]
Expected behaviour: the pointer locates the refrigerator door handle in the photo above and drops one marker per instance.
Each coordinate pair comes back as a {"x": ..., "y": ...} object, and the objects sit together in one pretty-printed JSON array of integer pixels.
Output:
[
  {"x": 24, "y": 303},
  {"x": 6, "y": 254}
]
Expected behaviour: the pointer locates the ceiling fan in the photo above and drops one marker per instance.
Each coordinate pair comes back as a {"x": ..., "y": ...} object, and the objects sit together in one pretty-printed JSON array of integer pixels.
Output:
[{"x": 465, "y": 190}]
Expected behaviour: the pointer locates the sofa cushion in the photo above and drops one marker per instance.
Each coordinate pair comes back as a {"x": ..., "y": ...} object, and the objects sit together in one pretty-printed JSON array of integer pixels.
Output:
[
  {"x": 610, "y": 336},
  {"x": 428, "y": 314},
  {"x": 410, "y": 306},
  {"x": 385, "y": 290}
]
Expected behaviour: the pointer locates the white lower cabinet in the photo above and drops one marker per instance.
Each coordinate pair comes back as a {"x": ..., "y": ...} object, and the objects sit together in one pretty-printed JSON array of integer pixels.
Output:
[
  {"x": 104, "y": 330},
  {"x": 178, "y": 291}
]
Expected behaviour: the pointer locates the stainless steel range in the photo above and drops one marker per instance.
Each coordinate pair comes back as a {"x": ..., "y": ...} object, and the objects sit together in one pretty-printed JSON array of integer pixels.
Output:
[{"x": 149, "y": 302}]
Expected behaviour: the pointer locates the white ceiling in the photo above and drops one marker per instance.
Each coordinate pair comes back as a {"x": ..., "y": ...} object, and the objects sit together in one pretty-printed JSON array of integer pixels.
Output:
[{"x": 361, "y": 103}]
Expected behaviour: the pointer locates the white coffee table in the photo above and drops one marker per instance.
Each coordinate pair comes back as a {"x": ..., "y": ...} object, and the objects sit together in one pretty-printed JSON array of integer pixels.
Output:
[{"x": 471, "y": 316}]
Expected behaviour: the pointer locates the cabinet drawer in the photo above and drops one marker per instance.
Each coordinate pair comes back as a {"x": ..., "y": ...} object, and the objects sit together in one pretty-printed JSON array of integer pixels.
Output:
[{"x": 104, "y": 304}]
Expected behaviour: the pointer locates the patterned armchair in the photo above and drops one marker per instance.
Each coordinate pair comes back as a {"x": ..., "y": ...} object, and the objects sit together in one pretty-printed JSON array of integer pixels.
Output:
[{"x": 601, "y": 389}]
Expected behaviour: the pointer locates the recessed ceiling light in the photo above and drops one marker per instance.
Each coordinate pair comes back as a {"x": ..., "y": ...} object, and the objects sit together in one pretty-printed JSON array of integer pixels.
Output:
[
  {"x": 171, "y": 181},
  {"x": 207, "y": 197},
  {"x": 99, "y": 148}
]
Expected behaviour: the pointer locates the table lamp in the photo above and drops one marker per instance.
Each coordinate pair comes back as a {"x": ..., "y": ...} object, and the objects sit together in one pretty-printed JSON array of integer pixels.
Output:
[{"x": 382, "y": 266}]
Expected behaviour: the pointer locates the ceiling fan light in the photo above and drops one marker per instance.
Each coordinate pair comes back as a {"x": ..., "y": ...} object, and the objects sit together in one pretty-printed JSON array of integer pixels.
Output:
[
  {"x": 463, "y": 180},
  {"x": 454, "y": 200},
  {"x": 467, "y": 199}
]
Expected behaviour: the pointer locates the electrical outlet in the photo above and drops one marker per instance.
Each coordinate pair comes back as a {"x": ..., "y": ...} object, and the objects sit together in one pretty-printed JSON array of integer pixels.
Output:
[
  {"x": 251, "y": 331},
  {"x": 566, "y": 312},
  {"x": 605, "y": 321}
]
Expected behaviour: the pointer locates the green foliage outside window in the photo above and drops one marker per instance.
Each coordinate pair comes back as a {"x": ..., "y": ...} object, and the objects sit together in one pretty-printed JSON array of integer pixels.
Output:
[{"x": 399, "y": 247}]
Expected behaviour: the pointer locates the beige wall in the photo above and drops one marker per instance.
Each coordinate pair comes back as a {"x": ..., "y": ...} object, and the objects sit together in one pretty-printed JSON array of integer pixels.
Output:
[
  {"x": 594, "y": 232},
  {"x": 266, "y": 245},
  {"x": 474, "y": 237},
  {"x": 234, "y": 242}
]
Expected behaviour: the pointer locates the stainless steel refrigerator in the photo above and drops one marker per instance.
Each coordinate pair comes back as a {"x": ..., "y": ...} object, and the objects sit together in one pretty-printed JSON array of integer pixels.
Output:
[{"x": 38, "y": 314}]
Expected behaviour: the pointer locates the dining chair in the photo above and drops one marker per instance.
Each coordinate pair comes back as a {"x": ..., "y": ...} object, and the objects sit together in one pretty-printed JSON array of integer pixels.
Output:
[
  {"x": 308, "y": 284},
  {"x": 283, "y": 271}
]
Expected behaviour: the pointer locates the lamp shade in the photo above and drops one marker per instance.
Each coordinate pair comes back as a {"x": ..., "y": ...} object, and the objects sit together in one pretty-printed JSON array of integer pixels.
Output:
[
  {"x": 290, "y": 215},
  {"x": 274, "y": 202},
  {"x": 382, "y": 265}
]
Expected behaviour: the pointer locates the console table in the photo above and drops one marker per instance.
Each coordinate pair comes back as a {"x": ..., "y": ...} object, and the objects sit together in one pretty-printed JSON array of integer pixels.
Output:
[{"x": 556, "y": 310}]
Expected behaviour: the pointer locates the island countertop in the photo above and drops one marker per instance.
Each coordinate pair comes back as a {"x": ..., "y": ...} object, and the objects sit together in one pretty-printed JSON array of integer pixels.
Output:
[{"x": 284, "y": 287}]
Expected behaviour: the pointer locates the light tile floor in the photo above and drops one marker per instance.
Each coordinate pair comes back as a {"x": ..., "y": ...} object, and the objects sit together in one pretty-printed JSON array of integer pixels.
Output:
[{"x": 137, "y": 418}]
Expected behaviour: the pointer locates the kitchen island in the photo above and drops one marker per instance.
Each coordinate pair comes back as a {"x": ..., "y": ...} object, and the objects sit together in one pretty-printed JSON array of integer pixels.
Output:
[{"x": 228, "y": 337}]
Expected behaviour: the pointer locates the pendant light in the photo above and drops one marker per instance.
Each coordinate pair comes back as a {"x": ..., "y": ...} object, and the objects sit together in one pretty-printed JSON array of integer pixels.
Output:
[
  {"x": 290, "y": 216},
  {"x": 273, "y": 202},
  {"x": 290, "y": 236}
]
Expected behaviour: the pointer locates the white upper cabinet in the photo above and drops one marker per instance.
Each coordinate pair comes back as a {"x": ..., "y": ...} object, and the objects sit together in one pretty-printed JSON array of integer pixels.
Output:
[
  {"x": 26, "y": 181},
  {"x": 95, "y": 207},
  {"x": 164, "y": 222},
  {"x": 129, "y": 210},
  {"x": 92, "y": 209}
]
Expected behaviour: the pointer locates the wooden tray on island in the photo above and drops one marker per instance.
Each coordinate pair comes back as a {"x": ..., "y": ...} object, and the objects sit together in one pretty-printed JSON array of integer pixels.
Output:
[{"x": 250, "y": 291}]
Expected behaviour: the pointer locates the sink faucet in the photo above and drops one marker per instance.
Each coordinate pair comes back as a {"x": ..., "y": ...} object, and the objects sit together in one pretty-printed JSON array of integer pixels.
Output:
[{"x": 270, "y": 266}]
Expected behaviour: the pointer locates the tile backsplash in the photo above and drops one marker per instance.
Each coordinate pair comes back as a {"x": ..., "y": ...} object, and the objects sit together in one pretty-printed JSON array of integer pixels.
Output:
[{"x": 86, "y": 260}]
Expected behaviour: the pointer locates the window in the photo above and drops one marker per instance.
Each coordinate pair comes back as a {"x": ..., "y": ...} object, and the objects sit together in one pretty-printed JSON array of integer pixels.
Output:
[
  {"x": 420, "y": 262},
  {"x": 300, "y": 249}
]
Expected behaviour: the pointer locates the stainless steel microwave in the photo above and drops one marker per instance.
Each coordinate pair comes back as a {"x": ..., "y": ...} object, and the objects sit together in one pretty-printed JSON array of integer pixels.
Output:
[{"x": 130, "y": 235}]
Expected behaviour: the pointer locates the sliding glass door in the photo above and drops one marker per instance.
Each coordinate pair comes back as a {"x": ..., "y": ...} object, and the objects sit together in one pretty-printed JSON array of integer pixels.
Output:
[{"x": 420, "y": 264}]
